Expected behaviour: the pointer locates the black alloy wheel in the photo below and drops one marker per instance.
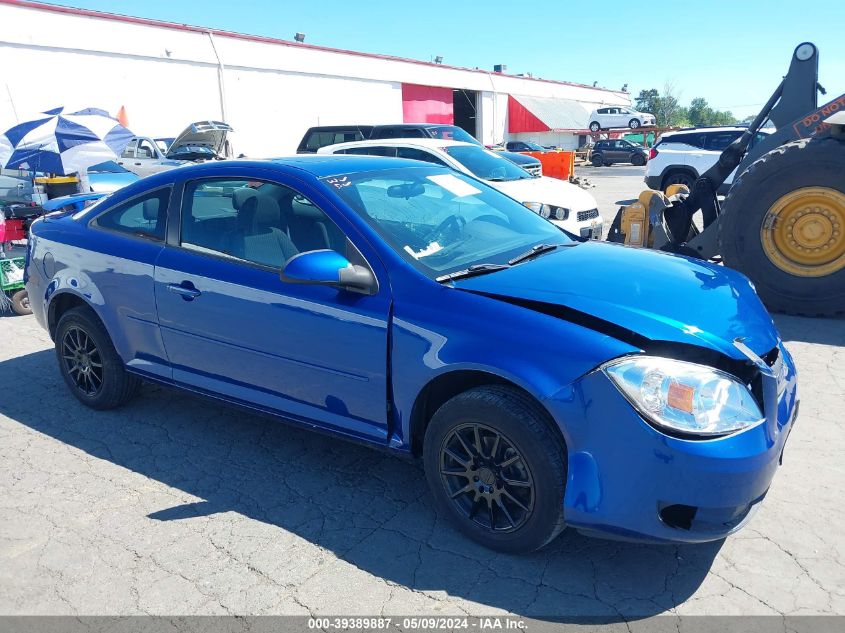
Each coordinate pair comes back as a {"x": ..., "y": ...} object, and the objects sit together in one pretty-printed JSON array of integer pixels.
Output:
[
  {"x": 487, "y": 478},
  {"x": 83, "y": 362},
  {"x": 88, "y": 362}
]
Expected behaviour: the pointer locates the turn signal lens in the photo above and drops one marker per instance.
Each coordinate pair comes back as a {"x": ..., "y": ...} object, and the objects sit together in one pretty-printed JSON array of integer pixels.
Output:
[{"x": 685, "y": 397}]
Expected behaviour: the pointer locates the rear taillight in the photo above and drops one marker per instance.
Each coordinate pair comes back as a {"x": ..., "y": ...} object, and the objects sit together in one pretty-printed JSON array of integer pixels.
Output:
[{"x": 652, "y": 153}]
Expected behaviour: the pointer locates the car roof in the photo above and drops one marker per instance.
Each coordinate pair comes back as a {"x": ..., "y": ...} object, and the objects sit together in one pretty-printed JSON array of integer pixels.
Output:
[
  {"x": 413, "y": 126},
  {"x": 428, "y": 143},
  {"x": 337, "y": 128},
  {"x": 713, "y": 128}
]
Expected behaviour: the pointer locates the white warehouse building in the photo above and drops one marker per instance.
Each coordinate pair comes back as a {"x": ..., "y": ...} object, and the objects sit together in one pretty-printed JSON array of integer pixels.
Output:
[{"x": 269, "y": 90}]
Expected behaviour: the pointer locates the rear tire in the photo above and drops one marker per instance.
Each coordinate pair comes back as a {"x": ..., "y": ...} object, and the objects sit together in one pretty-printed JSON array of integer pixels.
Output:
[
  {"x": 89, "y": 363},
  {"x": 594, "y": 126},
  {"x": 506, "y": 494},
  {"x": 761, "y": 234},
  {"x": 20, "y": 303},
  {"x": 597, "y": 160},
  {"x": 678, "y": 177}
]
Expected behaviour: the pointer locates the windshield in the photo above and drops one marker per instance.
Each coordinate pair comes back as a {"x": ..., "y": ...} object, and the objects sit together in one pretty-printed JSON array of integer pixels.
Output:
[
  {"x": 485, "y": 164},
  {"x": 452, "y": 133},
  {"x": 535, "y": 147},
  {"x": 108, "y": 167},
  {"x": 441, "y": 221}
]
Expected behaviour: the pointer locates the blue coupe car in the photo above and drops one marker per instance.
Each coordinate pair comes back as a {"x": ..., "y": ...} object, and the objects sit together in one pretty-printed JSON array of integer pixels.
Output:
[{"x": 544, "y": 381}]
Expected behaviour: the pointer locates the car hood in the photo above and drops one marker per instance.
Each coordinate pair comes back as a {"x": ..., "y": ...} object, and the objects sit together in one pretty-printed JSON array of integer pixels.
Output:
[
  {"x": 520, "y": 159},
  {"x": 639, "y": 295},
  {"x": 558, "y": 193},
  {"x": 107, "y": 182},
  {"x": 210, "y": 134}
]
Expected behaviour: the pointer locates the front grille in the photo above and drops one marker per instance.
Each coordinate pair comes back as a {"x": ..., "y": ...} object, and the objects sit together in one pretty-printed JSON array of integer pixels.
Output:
[
  {"x": 588, "y": 215},
  {"x": 534, "y": 170}
]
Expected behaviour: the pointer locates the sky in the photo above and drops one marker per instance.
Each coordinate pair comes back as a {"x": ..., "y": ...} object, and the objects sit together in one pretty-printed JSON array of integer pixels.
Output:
[{"x": 731, "y": 53}]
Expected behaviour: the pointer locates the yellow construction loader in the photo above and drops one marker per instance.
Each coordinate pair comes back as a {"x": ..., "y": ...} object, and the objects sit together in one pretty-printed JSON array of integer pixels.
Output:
[{"x": 782, "y": 222}]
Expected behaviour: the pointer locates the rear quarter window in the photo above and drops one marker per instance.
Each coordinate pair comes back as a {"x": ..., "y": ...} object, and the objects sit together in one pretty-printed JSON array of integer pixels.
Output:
[{"x": 144, "y": 216}]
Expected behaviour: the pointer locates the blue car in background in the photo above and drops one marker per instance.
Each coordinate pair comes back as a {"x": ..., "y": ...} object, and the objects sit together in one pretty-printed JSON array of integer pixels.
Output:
[
  {"x": 544, "y": 381},
  {"x": 108, "y": 177}
]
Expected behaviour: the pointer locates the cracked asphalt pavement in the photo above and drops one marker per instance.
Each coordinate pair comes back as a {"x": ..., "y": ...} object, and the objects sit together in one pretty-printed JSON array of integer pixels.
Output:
[{"x": 178, "y": 505}]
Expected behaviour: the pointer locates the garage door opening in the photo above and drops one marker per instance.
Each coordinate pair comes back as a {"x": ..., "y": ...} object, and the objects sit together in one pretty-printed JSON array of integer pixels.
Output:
[{"x": 465, "y": 104}]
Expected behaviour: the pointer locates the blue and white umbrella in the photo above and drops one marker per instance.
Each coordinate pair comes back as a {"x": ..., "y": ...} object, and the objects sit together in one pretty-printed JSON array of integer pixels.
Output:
[{"x": 59, "y": 142}]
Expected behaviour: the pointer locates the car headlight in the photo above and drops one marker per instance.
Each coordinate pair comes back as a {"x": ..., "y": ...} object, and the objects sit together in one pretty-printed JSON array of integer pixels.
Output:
[
  {"x": 543, "y": 210},
  {"x": 685, "y": 397},
  {"x": 548, "y": 211}
]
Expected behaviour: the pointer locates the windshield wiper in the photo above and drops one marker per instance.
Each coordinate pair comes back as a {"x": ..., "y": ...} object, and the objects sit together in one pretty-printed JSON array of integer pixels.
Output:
[
  {"x": 536, "y": 251},
  {"x": 472, "y": 271}
]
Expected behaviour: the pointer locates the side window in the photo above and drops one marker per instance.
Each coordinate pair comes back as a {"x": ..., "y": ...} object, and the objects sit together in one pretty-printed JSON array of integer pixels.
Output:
[
  {"x": 348, "y": 136},
  {"x": 695, "y": 140},
  {"x": 602, "y": 111},
  {"x": 418, "y": 154},
  {"x": 145, "y": 149},
  {"x": 319, "y": 139},
  {"x": 129, "y": 152},
  {"x": 143, "y": 217},
  {"x": 260, "y": 223},
  {"x": 718, "y": 141}
]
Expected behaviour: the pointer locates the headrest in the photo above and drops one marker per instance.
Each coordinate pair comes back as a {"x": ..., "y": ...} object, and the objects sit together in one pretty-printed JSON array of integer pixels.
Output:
[
  {"x": 241, "y": 195},
  {"x": 262, "y": 212},
  {"x": 151, "y": 209}
]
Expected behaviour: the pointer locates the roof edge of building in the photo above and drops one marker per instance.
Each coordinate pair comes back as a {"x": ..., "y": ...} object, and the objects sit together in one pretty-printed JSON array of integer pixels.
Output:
[{"x": 103, "y": 15}]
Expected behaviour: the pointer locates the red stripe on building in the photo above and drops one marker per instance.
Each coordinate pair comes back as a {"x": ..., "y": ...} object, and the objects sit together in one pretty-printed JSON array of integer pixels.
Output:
[
  {"x": 520, "y": 119},
  {"x": 427, "y": 104}
]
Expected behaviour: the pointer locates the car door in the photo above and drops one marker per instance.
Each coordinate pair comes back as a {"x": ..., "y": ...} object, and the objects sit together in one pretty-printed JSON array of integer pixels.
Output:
[
  {"x": 230, "y": 325},
  {"x": 147, "y": 158},
  {"x": 127, "y": 156}
]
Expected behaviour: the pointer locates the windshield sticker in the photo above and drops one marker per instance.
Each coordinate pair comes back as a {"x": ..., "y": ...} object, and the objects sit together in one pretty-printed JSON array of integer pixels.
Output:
[
  {"x": 431, "y": 249},
  {"x": 339, "y": 183},
  {"x": 454, "y": 185}
]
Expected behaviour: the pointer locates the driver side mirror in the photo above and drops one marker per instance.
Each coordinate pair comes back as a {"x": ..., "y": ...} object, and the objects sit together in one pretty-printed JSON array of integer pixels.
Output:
[{"x": 328, "y": 268}]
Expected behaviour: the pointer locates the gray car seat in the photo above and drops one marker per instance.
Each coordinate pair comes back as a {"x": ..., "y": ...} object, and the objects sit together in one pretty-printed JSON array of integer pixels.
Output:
[{"x": 262, "y": 235}]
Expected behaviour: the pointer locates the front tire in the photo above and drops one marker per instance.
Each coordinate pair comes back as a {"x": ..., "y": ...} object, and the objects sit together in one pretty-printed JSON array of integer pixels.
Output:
[
  {"x": 497, "y": 469},
  {"x": 595, "y": 126},
  {"x": 638, "y": 160},
  {"x": 634, "y": 124},
  {"x": 89, "y": 363},
  {"x": 597, "y": 160}
]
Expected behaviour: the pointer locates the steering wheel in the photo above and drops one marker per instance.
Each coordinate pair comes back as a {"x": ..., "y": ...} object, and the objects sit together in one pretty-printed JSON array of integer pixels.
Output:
[{"x": 451, "y": 227}]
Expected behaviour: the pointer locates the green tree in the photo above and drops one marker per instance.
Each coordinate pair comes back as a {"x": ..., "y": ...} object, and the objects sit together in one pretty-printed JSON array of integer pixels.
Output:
[{"x": 646, "y": 100}]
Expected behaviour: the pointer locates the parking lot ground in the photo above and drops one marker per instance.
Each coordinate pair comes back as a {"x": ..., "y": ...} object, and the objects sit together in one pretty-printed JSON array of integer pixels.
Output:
[
  {"x": 177, "y": 505},
  {"x": 614, "y": 186}
]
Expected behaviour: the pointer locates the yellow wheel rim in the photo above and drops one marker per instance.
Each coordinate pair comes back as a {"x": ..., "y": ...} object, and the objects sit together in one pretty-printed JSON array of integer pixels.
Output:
[{"x": 804, "y": 232}]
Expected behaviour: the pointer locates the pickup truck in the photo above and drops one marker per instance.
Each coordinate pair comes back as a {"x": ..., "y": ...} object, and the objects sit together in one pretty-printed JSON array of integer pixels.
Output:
[
  {"x": 322, "y": 136},
  {"x": 200, "y": 141}
]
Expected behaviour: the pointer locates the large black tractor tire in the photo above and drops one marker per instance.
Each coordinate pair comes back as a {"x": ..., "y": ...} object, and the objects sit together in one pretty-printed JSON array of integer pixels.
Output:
[
  {"x": 497, "y": 468},
  {"x": 783, "y": 225}
]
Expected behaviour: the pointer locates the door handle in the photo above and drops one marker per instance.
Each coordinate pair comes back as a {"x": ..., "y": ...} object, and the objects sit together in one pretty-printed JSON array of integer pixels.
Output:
[
  {"x": 137, "y": 164},
  {"x": 185, "y": 289}
]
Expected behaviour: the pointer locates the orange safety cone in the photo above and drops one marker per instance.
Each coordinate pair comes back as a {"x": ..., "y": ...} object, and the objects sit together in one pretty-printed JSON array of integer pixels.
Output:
[{"x": 122, "y": 118}]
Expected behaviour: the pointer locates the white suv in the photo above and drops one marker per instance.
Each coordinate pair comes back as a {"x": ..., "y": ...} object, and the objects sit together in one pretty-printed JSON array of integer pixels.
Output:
[
  {"x": 618, "y": 117},
  {"x": 681, "y": 157}
]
